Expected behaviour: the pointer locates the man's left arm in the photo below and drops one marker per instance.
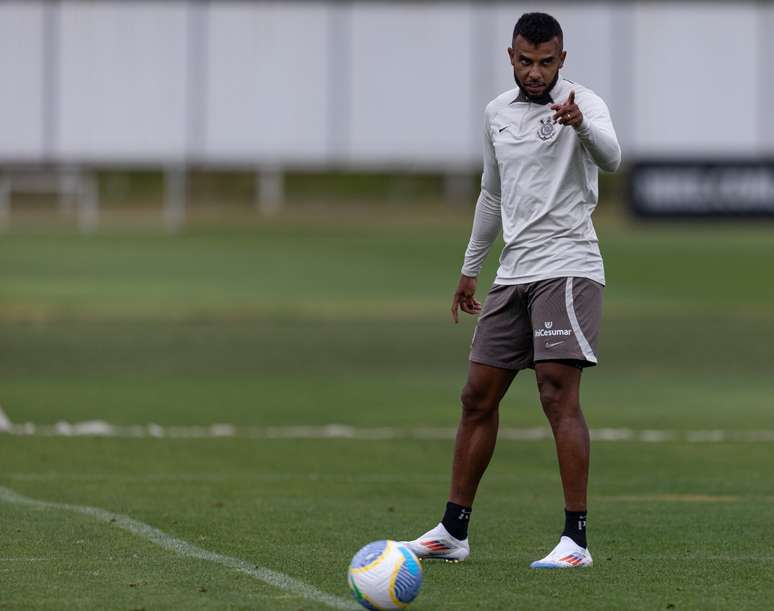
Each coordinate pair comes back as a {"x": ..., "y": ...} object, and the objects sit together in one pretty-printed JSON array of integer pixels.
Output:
[{"x": 594, "y": 128}]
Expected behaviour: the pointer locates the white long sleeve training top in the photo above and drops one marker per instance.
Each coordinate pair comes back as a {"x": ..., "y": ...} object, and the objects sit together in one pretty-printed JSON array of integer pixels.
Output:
[{"x": 540, "y": 185}]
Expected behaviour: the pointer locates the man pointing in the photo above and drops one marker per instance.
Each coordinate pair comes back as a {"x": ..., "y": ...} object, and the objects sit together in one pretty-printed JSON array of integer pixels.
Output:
[{"x": 544, "y": 142}]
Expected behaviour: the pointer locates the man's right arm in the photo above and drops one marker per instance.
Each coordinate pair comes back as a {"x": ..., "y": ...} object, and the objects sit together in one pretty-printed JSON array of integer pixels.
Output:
[
  {"x": 487, "y": 219},
  {"x": 486, "y": 225}
]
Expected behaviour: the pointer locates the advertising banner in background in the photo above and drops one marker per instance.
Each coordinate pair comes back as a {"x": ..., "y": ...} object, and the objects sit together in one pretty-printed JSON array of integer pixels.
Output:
[{"x": 720, "y": 188}]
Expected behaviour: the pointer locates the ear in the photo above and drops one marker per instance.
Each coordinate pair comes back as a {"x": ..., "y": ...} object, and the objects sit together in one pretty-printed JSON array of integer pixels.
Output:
[
  {"x": 511, "y": 54},
  {"x": 561, "y": 58}
]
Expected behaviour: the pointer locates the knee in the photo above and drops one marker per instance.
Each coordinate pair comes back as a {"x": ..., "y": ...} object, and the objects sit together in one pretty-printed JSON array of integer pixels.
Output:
[
  {"x": 555, "y": 399},
  {"x": 550, "y": 393},
  {"x": 476, "y": 404}
]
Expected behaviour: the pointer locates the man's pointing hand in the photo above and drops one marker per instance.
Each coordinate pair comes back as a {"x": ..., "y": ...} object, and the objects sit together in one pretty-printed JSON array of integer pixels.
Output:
[{"x": 568, "y": 113}]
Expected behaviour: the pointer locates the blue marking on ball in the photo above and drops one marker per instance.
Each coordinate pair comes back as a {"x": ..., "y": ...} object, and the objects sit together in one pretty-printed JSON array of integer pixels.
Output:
[
  {"x": 409, "y": 577},
  {"x": 368, "y": 554}
]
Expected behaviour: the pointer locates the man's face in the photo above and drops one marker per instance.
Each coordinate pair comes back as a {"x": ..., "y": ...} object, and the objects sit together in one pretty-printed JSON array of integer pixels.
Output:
[{"x": 536, "y": 66}]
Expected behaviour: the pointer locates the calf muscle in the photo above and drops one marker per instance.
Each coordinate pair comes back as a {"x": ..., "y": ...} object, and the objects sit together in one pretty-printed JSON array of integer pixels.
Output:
[
  {"x": 559, "y": 386},
  {"x": 477, "y": 430}
]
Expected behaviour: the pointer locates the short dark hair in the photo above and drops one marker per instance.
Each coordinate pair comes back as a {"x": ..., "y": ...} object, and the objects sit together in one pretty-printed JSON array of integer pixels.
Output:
[{"x": 538, "y": 28}]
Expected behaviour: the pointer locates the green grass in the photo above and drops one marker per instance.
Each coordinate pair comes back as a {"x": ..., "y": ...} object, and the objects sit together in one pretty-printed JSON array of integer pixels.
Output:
[{"x": 313, "y": 323}]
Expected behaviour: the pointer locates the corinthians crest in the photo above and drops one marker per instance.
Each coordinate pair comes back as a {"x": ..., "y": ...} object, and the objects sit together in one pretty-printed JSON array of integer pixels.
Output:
[{"x": 546, "y": 129}]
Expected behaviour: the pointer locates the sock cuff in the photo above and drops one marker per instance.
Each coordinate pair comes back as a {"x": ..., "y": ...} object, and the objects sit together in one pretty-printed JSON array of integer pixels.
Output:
[
  {"x": 460, "y": 508},
  {"x": 575, "y": 527},
  {"x": 455, "y": 520}
]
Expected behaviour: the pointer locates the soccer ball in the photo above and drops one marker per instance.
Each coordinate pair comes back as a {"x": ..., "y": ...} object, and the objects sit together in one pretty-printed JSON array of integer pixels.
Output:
[{"x": 385, "y": 575}]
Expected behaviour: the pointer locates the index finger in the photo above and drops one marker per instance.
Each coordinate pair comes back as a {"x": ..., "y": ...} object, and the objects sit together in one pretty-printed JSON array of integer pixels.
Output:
[
  {"x": 455, "y": 307},
  {"x": 571, "y": 99}
]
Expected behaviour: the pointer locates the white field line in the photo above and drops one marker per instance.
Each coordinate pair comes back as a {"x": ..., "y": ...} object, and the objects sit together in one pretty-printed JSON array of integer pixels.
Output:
[
  {"x": 100, "y": 428},
  {"x": 184, "y": 548}
]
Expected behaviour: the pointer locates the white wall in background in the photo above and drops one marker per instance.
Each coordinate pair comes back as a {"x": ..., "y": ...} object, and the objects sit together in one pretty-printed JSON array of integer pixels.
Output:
[
  {"x": 123, "y": 79},
  {"x": 267, "y": 81},
  {"x": 411, "y": 82},
  {"x": 364, "y": 83},
  {"x": 21, "y": 80},
  {"x": 696, "y": 85}
]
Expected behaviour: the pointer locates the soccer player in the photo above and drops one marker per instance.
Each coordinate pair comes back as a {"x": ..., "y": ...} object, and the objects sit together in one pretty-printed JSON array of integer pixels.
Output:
[{"x": 544, "y": 142}]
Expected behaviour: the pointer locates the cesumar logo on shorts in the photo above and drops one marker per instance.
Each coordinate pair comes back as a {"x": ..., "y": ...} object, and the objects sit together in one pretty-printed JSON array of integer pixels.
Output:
[{"x": 549, "y": 330}]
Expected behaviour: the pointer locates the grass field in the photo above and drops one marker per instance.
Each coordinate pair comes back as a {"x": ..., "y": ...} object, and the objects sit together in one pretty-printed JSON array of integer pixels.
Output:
[{"x": 314, "y": 322}]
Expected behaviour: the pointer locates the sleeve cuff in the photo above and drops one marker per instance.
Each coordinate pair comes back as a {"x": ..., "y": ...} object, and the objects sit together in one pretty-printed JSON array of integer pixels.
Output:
[{"x": 583, "y": 130}]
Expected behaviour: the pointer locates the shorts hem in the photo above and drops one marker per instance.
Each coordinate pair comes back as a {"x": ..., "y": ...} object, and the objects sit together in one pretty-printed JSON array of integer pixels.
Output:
[
  {"x": 583, "y": 362},
  {"x": 499, "y": 364}
]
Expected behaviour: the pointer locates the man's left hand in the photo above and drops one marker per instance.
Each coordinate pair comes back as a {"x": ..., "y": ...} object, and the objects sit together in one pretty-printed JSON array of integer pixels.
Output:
[{"x": 568, "y": 113}]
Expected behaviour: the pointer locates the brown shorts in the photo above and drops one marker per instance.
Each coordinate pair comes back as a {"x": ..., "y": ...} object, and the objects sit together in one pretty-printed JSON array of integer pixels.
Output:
[{"x": 548, "y": 320}]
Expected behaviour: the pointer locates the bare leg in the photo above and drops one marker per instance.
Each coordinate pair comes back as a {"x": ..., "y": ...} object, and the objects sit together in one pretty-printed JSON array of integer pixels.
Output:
[
  {"x": 477, "y": 430},
  {"x": 559, "y": 386}
]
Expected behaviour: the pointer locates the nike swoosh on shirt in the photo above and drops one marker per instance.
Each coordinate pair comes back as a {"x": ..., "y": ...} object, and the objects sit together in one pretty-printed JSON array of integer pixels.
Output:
[
  {"x": 502, "y": 129},
  {"x": 552, "y": 344}
]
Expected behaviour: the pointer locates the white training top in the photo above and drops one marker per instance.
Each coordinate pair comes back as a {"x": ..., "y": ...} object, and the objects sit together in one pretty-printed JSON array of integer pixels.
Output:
[{"x": 540, "y": 185}]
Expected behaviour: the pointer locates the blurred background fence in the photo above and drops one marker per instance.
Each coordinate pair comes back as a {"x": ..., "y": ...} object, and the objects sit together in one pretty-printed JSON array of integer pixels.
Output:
[{"x": 269, "y": 88}]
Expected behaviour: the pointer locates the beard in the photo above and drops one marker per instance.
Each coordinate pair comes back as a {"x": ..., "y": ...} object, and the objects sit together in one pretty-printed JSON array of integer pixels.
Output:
[{"x": 543, "y": 98}]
